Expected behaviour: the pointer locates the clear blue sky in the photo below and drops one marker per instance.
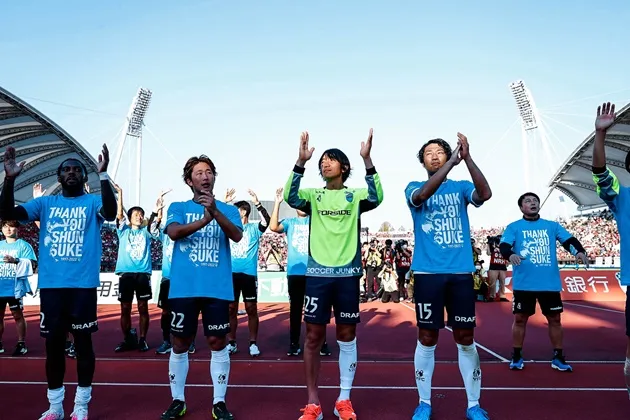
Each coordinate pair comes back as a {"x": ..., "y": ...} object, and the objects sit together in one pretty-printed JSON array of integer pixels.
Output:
[{"x": 239, "y": 81}]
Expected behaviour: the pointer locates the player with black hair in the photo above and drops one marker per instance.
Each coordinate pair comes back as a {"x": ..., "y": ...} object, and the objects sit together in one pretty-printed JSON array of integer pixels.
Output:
[
  {"x": 334, "y": 263},
  {"x": 529, "y": 244},
  {"x": 443, "y": 266},
  {"x": 70, "y": 250},
  {"x": 617, "y": 197}
]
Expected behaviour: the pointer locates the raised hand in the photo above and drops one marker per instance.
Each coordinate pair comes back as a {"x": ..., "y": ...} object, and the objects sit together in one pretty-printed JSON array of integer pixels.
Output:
[
  {"x": 207, "y": 200},
  {"x": 305, "y": 152},
  {"x": 366, "y": 146},
  {"x": 456, "y": 156},
  {"x": 230, "y": 195},
  {"x": 11, "y": 168},
  {"x": 605, "y": 116},
  {"x": 103, "y": 159},
  {"x": 253, "y": 196},
  {"x": 38, "y": 190},
  {"x": 462, "y": 141},
  {"x": 279, "y": 196}
]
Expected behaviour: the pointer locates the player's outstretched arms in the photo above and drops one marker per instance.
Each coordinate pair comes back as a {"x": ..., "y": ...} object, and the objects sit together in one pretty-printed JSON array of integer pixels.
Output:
[
  {"x": 482, "y": 191},
  {"x": 8, "y": 210},
  {"x": 264, "y": 223},
  {"x": 109, "y": 209},
  {"x": 274, "y": 221},
  {"x": 431, "y": 186},
  {"x": 608, "y": 186},
  {"x": 372, "y": 178},
  {"x": 296, "y": 198}
]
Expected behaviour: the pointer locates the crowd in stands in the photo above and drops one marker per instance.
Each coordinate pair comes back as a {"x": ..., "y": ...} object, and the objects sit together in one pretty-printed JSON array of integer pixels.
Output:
[{"x": 597, "y": 232}]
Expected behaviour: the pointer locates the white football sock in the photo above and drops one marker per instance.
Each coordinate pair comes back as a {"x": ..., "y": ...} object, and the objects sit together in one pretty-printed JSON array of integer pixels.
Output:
[
  {"x": 424, "y": 363},
  {"x": 177, "y": 373},
  {"x": 220, "y": 373},
  {"x": 470, "y": 368},
  {"x": 347, "y": 367},
  {"x": 56, "y": 397}
]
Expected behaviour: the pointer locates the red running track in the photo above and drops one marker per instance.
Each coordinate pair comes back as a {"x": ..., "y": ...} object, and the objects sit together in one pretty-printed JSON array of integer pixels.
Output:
[{"x": 135, "y": 385}]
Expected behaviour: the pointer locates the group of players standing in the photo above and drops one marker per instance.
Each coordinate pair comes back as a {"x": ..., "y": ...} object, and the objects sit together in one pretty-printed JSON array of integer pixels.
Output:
[{"x": 201, "y": 272}]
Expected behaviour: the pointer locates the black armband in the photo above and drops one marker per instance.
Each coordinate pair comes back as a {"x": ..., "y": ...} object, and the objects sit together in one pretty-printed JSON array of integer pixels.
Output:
[
  {"x": 506, "y": 250},
  {"x": 573, "y": 244}
]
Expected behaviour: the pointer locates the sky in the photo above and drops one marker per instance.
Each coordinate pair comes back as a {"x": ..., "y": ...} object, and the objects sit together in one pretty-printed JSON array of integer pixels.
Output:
[{"x": 239, "y": 82}]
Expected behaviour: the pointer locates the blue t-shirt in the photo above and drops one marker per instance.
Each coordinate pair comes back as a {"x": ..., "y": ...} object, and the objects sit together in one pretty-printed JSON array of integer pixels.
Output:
[
  {"x": 201, "y": 265},
  {"x": 297, "y": 231},
  {"x": 70, "y": 244},
  {"x": 441, "y": 229},
  {"x": 134, "y": 250},
  {"x": 167, "y": 255},
  {"x": 245, "y": 252},
  {"x": 535, "y": 242},
  {"x": 18, "y": 249}
]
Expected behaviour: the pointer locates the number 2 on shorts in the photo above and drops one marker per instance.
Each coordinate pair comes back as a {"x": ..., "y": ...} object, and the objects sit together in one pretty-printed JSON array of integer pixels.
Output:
[
  {"x": 424, "y": 311},
  {"x": 175, "y": 323}
]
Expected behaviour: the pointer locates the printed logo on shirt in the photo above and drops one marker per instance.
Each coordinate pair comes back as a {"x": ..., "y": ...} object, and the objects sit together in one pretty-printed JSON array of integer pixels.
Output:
[
  {"x": 443, "y": 220},
  {"x": 299, "y": 238},
  {"x": 65, "y": 233},
  {"x": 136, "y": 245},
  {"x": 203, "y": 247},
  {"x": 239, "y": 249},
  {"x": 535, "y": 247},
  {"x": 7, "y": 270}
]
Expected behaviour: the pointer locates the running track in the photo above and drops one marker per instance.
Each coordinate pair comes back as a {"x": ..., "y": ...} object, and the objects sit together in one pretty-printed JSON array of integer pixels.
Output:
[{"x": 135, "y": 385}]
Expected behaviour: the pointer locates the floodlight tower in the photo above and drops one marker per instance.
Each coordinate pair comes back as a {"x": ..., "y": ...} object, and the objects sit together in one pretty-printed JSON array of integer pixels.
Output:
[
  {"x": 533, "y": 134},
  {"x": 133, "y": 130}
]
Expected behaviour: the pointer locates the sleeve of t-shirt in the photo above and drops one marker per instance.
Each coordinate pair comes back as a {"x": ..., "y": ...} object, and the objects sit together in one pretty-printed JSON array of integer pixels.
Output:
[
  {"x": 175, "y": 214},
  {"x": 27, "y": 251},
  {"x": 562, "y": 235},
  {"x": 234, "y": 216},
  {"x": 412, "y": 187},
  {"x": 121, "y": 229},
  {"x": 468, "y": 188},
  {"x": 509, "y": 235},
  {"x": 98, "y": 204},
  {"x": 34, "y": 209},
  {"x": 286, "y": 225}
]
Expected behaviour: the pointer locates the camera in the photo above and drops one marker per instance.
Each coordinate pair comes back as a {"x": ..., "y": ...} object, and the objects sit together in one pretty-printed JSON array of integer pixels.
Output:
[
  {"x": 494, "y": 240},
  {"x": 398, "y": 246}
]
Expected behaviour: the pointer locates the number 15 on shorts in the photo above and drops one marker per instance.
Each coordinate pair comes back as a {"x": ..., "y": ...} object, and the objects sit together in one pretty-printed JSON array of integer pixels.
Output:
[{"x": 424, "y": 311}]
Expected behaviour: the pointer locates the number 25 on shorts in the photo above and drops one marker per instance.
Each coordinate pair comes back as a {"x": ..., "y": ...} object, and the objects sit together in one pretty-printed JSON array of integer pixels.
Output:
[
  {"x": 310, "y": 304},
  {"x": 424, "y": 311}
]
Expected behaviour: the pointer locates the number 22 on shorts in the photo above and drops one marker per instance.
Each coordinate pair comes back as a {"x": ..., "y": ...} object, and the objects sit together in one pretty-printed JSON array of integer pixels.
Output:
[{"x": 424, "y": 311}]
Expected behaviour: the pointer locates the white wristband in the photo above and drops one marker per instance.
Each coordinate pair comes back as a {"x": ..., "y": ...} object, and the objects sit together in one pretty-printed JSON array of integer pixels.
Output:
[{"x": 103, "y": 176}]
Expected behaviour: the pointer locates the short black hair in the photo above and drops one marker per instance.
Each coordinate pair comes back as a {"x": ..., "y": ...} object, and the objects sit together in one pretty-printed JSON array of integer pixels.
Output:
[
  {"x": 135, "y": 208},
  {"x": 527, "y": 194},
  {"x": 83, "y": 167},
  {"x": 339, "y": 156},
  {"x": 440, "y": 142},
  {"x": 245, "y": 206}
]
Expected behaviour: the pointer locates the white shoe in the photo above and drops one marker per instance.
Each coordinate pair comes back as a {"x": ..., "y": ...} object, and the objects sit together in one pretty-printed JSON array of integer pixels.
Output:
[
  {"x": 232, "y": 348},
  {"x": 253, "y": 350},
  {"x": 79, "y": 413},
  {"x": 52, "y": 415}
]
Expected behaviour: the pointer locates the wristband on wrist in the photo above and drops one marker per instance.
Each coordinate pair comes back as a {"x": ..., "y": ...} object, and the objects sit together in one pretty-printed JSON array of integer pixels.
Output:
[{"x": 103, "y": 176}]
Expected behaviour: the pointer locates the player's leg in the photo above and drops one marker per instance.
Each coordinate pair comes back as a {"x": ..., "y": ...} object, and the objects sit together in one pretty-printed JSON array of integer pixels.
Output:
[
  {"x": 237, "y": 283},
  {"x": 53, "y": 325},
  {"x": 216, "y": 324},
  {"x": 626, "y": 369},
  {"x": 3, "y": 307},
  {"x": 297, "y": 288},
  {"x": 250, "y": 297},
  {"x": 552, "y": 308},
  {"x": 144, "y": 293},
  {"x": 523, "y": 306},
  {"x": 460, "y": 306},
  {"x": 184, "y": 319},
  {"x": 84, "y": 322},
  {"x": 165, "y": 318},
  {"x": 317, "y": 309},
  {"x": 502, "y": 276},
  {"x": 428, "y": 291},
  {"x": 126, "y": 291},
  {"x": 16, "y": 306},
  {"x": 493, "y": 276},
  {"x": 347, "y": 315}
]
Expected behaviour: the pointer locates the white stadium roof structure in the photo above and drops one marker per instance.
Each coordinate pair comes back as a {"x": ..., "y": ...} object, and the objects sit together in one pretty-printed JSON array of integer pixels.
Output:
[
  {"x": 42, "y": 144},
  {"x": 575, "y": 179}
]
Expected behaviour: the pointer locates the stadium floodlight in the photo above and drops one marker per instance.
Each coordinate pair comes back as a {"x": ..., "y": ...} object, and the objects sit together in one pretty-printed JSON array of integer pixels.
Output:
[
  {"x": 525, "y": 105},
  {"x": 133, "y": 128}
]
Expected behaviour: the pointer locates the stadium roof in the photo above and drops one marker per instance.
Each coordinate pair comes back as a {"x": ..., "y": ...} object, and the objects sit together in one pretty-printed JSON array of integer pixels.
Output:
[
  {"x": 575, "y": 179},
  {"x": 42, "y": 144}
]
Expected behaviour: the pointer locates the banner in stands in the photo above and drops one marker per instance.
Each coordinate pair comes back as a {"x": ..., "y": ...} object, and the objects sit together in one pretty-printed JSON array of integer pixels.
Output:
[
  {"x": 593, "y": 285},
  {"x": 272, "y": 288}
]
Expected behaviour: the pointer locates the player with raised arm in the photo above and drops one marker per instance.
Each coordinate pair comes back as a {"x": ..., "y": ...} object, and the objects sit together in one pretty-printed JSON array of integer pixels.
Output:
[
  {"x": 530, "y": 245},
  {"x": 443, "y": 266},
  {"x": 296, "y": 229},
  {"x": 245, "y": 272},
  {"x": 334, "y": 265},
  {"x": 617, "y": 197},
  {"x": 16, "y": 258},
  {"x": 201, "y": 281},
  {"x": 70, "y": 250}
]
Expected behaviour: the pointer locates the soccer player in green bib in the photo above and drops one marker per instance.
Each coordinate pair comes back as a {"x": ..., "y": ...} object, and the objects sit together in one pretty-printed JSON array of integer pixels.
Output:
[{"x": 334, "y": 263}]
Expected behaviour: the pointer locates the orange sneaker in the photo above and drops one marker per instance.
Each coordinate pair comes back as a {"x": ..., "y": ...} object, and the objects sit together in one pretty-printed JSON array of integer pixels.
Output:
[
  {"x": 344, "y": 410},
  {"x": 312, "y": 412}
]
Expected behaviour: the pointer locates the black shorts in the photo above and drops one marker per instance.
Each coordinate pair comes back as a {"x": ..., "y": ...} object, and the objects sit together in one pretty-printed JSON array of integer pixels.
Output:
[
  {"x": 497, "y": 267},
  {"x": 246, "y": 284},
  {"x": 134, "y": 283},
  {"x": 524, "y": 302},
  {"x": 13, "y": 303},
  {"x": 215, "y": 316},
  {"x": 628, "y": 311},
  {"x": 67, "y": 310},
  {"x": 162, "y": 302},
  {"x": 326, "y": 293},
  {"x": 455, "y": 292}
]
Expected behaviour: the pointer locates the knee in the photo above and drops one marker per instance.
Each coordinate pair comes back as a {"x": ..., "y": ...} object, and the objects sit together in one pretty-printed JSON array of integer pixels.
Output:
[
  {"x": 125, "y": 309},
  {"x": 143, "y": 308},
  {"x": 233, "y": 310},
  {"x": 554, "y": 320},
  {"x": 428, "y": 338},
  {"x": 464, "y": 337},
  {"x": 18, "y": 316},
  {"x": 520, "y": 320},
  {"x": 216, "y": 343},
  {"x": 251, "y": 309},
  {"x": 314, "y": 338},
  {"x": 83, "y": 346},
  {"x": 346, "y": 333}
]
